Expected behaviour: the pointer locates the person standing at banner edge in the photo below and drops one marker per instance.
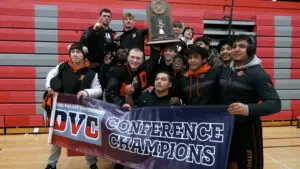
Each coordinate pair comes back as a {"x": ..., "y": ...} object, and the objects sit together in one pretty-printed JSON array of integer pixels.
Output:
[
  {"x": 73, "y": 77},
  {"x": 242, "y": 86}
]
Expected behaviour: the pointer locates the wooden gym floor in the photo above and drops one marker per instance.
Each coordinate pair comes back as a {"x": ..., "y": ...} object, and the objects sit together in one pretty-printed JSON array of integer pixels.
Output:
[{"x": 30, "y": 151}]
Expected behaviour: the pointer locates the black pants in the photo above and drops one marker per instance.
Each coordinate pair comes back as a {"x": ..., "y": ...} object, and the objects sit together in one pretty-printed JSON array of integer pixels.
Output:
[{"x": 246, "y": 149}]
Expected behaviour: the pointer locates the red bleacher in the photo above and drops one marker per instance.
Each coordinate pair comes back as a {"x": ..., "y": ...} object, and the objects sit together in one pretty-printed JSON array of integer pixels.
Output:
[
  {"x": 17, "y": 72},
  {"x": 17, "y": 109},
  {"x": 2, "y": 121}
]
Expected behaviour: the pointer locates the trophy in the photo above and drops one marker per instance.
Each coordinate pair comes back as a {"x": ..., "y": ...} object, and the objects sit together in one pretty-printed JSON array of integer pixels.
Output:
[{"x": 160, "y": 23}]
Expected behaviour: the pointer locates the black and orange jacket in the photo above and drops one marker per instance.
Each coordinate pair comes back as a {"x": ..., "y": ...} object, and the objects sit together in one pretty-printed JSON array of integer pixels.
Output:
[
  {"x": 120, "y": 77},
  {"x": 201, "y": 87},
  {"x": 73, "y": 80},
  {"x": 133, "y": 38}
]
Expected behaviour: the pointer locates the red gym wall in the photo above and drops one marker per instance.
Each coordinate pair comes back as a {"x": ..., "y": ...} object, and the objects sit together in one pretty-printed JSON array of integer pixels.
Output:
[{"x": 34, "y": 36}]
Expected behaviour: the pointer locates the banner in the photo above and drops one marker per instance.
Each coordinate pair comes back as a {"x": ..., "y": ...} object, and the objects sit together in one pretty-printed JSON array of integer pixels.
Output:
[{"x": 145, "y": 138}]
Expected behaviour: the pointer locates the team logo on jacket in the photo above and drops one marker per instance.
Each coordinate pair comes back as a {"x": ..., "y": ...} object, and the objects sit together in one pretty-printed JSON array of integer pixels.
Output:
[
  {"x": 134, "y": 35},
  {"x": 179, "y": 48},
  {"x": 240, "y": 73},
  {"x": 81, "y": 77}
]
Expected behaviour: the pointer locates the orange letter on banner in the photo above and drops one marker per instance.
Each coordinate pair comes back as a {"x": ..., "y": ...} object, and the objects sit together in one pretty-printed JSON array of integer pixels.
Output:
[
  {"x": 92, "y": 124},
  {"x": 143, "y": 79},
  {"x": 60, "y": 120}
]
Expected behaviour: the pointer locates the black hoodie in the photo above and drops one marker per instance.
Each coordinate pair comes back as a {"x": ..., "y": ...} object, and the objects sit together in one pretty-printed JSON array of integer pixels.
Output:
[{"x": 249, "y": 84}]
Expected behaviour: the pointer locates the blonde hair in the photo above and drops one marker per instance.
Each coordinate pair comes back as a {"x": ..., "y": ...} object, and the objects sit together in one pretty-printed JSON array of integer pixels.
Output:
[{"x": 137, "y": 50}]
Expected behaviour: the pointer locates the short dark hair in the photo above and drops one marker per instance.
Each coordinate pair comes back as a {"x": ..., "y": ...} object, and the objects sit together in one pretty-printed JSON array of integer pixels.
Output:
[
  {"x": 106, "y": 10},
  {"x": 223, "y": 42},
  {"x": 250, "y": 40},
  {"x": 205, "y": 39},
  {"x": 186, "y": 28},
  {"x": 170, "y": 46},
  {"x": 180, "y": 56},
  {"x": 196, "y": 50},
  {"x": 165, "y": 72},
  {"x": 120, "y": 47}
]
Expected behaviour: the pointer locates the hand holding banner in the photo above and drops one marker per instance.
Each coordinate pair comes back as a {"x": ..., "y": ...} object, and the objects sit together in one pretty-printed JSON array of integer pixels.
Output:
[{"x": 145, "y": 138}]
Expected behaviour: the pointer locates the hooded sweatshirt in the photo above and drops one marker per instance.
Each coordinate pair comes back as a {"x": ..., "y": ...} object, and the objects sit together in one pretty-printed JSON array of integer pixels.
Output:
[
  {"x": 200, "y": 87},
  {"x": 249, "y": 84}
]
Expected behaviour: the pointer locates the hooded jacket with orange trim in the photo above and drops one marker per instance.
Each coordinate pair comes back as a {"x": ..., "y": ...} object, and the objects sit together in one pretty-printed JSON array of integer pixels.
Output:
[
  {"x": 122, "y": 76},
  {"x": 200, "y": 88},
  {"x": 73, "y": 80}
]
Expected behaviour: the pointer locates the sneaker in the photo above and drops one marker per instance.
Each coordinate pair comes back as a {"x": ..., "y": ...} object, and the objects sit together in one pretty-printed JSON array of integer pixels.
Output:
[
  {"x": 93, "y": 166},
  {"x": 50, "y": 167}
]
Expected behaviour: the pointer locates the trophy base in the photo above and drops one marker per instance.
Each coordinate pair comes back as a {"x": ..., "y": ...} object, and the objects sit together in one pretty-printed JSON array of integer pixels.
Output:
[{"x": 163, "y": 41}]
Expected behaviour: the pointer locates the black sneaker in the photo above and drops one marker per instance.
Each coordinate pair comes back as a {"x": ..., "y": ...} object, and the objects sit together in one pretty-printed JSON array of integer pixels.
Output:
[
  {"x": 93, "y": 166},
  {"x": 50, "y": 167}
]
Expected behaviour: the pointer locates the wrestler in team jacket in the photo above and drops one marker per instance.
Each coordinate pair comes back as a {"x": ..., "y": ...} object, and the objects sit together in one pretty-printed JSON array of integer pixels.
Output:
[
  {"x": 73, "y": 77},
  {"x": 123, "y": 76},
  {"x": 200, "y": 83},
  {"x": 242, "y": 86}
]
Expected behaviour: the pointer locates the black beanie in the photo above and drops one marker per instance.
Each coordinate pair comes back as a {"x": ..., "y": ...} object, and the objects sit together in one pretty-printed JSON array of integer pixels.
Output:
[{"x": 79, "y": 46}]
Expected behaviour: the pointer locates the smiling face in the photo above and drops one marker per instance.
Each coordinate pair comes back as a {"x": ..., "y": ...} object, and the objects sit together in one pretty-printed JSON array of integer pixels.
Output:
[
  {"x": 178, "y": 65},
  {"x": 177, "y": 29},
  {"x": 169, "y": 54},
  {"x": 226, "y": 53},
  {"x": 195, "y": 62},
  {"x": 239, "y": 50},
  {"x": 135, "y": 59}
]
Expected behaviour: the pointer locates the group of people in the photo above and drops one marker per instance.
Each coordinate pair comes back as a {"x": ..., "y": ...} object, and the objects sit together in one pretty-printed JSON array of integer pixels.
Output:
[{"x": 187, "y": 72}]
